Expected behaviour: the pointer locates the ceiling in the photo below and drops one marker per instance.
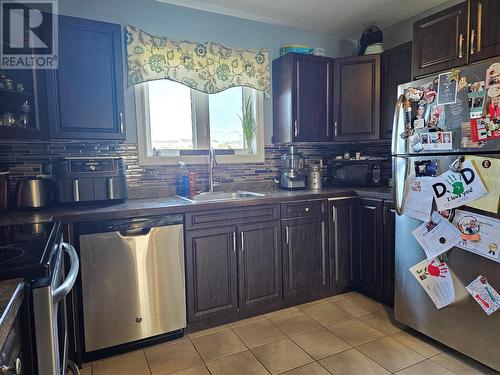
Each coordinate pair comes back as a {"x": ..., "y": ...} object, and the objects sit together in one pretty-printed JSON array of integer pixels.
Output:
[{"x": 343, "y": 18}]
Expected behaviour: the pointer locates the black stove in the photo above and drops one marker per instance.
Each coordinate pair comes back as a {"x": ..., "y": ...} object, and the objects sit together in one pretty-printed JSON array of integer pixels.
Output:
[{"x": 26, "y": 251}]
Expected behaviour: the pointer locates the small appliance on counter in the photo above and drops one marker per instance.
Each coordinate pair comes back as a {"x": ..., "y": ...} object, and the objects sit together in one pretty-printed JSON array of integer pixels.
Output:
[
  {"x": 91, "y": 179},
  {"x": 32, "y": 192},
  {"x": 364, "y": 172},
  {"x": 314, "y": 182},
  {"x": 4, "y": 189},
  {"x": 291, "y": 164}
]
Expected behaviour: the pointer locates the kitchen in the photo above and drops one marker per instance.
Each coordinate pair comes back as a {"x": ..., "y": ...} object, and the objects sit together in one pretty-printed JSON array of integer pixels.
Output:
[{"x": 218, "y": 188}]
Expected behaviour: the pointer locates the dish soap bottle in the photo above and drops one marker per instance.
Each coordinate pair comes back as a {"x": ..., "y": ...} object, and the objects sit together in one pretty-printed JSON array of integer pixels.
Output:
[{"x": 182, "y": 186}]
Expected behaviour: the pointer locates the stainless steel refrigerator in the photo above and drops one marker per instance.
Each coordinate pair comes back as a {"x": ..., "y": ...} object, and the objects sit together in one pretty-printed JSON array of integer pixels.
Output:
[{"x": 461, "y": 325}]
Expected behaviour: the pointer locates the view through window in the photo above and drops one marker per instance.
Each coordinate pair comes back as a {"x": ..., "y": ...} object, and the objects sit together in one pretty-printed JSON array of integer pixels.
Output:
[{"x": 184, "y": 119}]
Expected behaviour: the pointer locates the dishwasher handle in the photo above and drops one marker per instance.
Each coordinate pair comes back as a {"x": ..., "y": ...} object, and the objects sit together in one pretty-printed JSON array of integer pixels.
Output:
[{"x": 135, "y": 232}]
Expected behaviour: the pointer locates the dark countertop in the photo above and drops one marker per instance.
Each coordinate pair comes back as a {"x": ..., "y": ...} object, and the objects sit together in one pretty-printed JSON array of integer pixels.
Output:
[
  {"x": 173, "y": 205},
  {"x": 11, "y": 298}
]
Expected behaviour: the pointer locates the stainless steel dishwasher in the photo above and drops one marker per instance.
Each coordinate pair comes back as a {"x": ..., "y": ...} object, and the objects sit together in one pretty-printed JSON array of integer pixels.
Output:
[{"x": 132, "y": 279}]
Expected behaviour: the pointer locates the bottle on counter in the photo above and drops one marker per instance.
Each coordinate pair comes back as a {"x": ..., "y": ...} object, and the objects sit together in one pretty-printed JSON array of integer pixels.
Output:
[
  {"x": 192, "y": 184},
  {"x": 182, "y": 186}
]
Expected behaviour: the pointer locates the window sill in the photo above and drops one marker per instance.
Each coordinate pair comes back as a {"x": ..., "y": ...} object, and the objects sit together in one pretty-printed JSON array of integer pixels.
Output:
[{"x": 200, "y": 160}]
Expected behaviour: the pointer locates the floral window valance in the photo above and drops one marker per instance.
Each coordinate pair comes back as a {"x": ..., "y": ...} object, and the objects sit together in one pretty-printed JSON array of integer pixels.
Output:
[{"x": 207, "y": 67}]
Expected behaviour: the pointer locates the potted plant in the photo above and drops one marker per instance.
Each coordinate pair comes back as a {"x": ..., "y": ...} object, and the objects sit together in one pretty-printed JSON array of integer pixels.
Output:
[{"x": 248, "y": 124}]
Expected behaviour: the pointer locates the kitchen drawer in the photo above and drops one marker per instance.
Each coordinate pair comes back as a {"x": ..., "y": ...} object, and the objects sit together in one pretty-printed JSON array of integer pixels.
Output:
[
  {"x": 312, "y": 208},
  {"x": 209, "y": 219}
]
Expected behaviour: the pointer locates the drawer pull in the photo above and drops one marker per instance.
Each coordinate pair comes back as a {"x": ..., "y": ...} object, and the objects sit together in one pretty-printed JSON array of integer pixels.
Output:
[{"x": 306, "y": 209}]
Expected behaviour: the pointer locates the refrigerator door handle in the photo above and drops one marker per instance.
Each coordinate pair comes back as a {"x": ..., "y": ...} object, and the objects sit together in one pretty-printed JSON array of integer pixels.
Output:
[
  {"x": 396, "y": 125},
  {"x": 398, "y": 189}
]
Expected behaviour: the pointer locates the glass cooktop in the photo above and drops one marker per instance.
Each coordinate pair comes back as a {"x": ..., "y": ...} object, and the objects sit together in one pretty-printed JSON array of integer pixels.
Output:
[{"x": 25, "y": 250}]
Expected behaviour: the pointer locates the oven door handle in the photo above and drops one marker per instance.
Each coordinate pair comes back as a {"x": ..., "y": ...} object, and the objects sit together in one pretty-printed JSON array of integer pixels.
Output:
[{"x": 60, "y": 292}]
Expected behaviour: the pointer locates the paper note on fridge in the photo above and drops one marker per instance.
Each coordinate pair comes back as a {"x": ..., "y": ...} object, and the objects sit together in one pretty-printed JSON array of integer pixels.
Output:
[
  {"x": 435, "y": 277},
  {"x": 480, "y": 234},
  {"x": 455, "y": 189},
  {"x": 484, "y": 294},
  {"x": 437, "y": 236},
  {"x": 418, "y": 197},
  {"x": 489, "y": 171}
]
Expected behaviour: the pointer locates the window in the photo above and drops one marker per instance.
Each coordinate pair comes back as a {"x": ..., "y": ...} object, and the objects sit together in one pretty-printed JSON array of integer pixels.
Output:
[{"x": 174, "y": 123}]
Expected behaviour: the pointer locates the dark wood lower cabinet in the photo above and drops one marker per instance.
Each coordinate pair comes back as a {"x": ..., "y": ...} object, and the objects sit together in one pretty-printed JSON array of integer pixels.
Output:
[
  {"x": 376, "y": 249},
  {"x": 211, "y": 266},
  {"x": 370, "y": 246},
  {"x": 305, "y": 256},
  {"x": 343, "y": 241},
  {"x": 388, "y": 252},
  {"x": 232, "y": 268},
  {"x": 319, "y": 248},
  {"x": 259, "y": 257}
]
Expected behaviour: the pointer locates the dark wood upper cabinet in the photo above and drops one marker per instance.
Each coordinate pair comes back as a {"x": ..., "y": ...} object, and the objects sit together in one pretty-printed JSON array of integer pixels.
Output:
[
  {"x": 441, "y": 41},
  {"x": 85, "y": 94},
  {"x": 396, "y": 67},
  {"x": 485, "y": 29},
  {"x": 211, "y": 266},
  {"x": 305, "y": 256},
  {"x": 302, "y": 98},
  {"x": 343, "y": 242},
  {"x": 260, "y": 272},
  {"x": 356, "y": 98}
]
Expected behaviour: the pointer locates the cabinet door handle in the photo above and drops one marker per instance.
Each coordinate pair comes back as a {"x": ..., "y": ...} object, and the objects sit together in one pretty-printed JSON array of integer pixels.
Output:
[
  {"x": 335, "y": 128},
  {"x": 460, "y": 46},
  {"x": 472, "y": 37},
  {"x": 286, "y": 234},
  {"x": 122, "y": 125},
  {"x": 76, "y": 190},
  {"x": 234, "y": 241},
  {"x": 242, "y": 235},
  {"x": 306, "y": 209},
  {"x": 296, "y": 130},
  {"x": 479, "y": 25},
  {"x": 111, "y": 187},
  {"x": 334, "y": 214}
]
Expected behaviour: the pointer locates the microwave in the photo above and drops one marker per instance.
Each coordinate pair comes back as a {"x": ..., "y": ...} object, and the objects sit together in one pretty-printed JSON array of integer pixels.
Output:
[{"x": 355, "y": 172}]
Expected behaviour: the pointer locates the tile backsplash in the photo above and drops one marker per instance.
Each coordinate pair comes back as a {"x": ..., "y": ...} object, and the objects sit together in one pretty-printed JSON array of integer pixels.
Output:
[{"x": 26, "y": 159}]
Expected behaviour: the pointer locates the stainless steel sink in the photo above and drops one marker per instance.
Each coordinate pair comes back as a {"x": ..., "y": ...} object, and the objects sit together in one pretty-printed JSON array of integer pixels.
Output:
[{"x": 221, "y": 196}]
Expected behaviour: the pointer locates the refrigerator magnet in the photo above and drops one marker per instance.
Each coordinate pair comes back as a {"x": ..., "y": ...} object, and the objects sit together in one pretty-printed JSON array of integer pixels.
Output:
[
  {"x": 480, "y": 234},
  {"x": 484, "y": 294},
  {"x": 493, "y": 75},
  {"x": 413, "y": 94},
  {"x": 455, "y": 189},
  {"x": 476, "y": 103},
  {"x": 436, "y": 236},
  {"x": 434, "y": 277},
  {"x": 485, "y": 128},
  {"x": 416, "y": 143},
  {"x": 426, "y": 168},
  {"x": 437, "y": 141},
  {"x": 447, "y": 89}
]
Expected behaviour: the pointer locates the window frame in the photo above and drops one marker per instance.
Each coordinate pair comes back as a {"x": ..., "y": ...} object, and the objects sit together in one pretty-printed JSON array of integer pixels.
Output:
[{"x": 200, "y": 114}]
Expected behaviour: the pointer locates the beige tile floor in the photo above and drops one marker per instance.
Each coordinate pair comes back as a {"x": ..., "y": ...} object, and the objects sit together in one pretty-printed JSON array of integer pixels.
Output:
[{"x": 348, "y": 334}]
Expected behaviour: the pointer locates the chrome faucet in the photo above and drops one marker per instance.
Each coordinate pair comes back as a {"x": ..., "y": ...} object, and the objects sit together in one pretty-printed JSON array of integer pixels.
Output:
[{"x": 212, "y": 163}]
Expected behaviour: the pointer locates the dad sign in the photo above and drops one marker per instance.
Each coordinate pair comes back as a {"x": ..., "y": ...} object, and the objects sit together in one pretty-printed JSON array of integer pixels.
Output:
[{"x": 455, "y": 189}]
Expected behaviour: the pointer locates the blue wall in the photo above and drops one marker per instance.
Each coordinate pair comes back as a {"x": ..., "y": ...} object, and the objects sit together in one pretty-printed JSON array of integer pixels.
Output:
[{"x": 185, "y": 23}]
